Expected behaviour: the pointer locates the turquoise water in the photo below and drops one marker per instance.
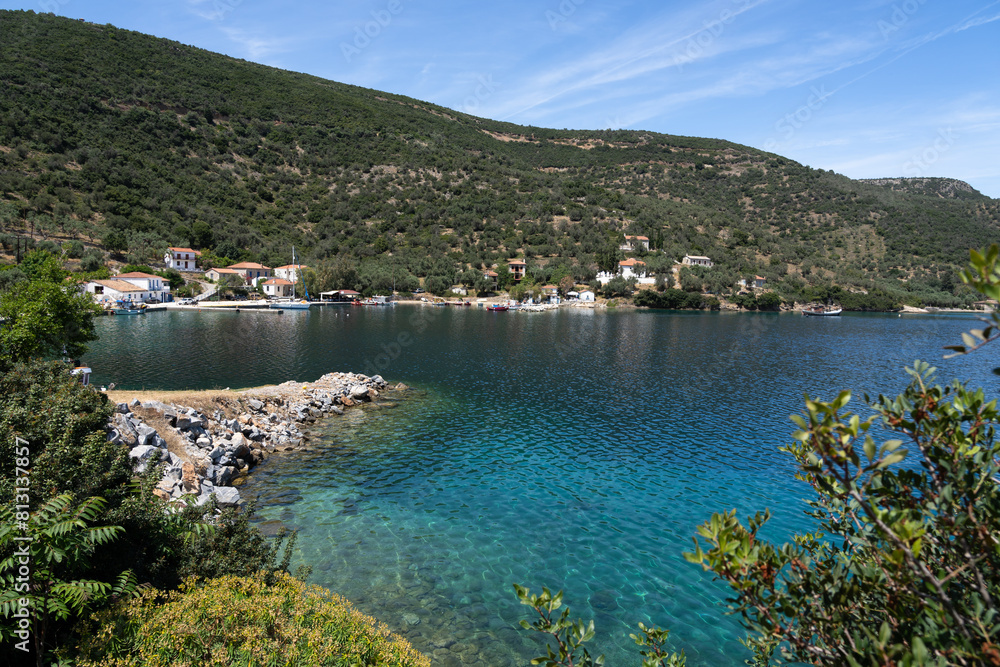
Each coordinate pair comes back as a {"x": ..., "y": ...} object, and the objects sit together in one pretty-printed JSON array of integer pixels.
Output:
[{"x": 575, "y": 450}]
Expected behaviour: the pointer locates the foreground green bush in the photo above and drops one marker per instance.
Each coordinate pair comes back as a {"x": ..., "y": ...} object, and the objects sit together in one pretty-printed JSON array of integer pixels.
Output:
[{"x": 243, "y": 621}]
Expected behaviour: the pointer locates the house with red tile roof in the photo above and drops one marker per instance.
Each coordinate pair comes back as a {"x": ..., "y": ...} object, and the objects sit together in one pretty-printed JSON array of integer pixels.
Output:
[
  {"x": 633, "y": 243},
  {"x": 154, "y": 284},
  {"x": 181, "y": 259},
  {"x": 278, "y": 288},
  {"x": 517, "y": 267}
]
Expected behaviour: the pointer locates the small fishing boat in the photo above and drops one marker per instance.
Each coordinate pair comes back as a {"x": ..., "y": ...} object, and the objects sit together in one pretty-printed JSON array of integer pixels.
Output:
[
  {"x": 378, "y": 300},
  {"x": 128, "y": 308},
  {"x": 498, "y": 308},
  {"x": 822, "y": 311}
]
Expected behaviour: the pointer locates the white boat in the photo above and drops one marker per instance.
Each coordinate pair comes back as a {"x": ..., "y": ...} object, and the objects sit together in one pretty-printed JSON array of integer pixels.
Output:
[
  {"x": 820, "y": 311},
  {"x": 293, "y": 303}
]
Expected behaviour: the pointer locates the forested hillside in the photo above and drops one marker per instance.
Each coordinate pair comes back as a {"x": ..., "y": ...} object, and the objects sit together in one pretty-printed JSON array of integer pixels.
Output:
[{"x": 133, "y": 143}]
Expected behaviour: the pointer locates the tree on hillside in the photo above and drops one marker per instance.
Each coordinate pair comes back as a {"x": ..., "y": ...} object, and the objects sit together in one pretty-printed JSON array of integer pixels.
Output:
[
  {"x": 608, "y": 257},
  {"x": 566, "y": 284},
  {"x": 42, "y": 265}
]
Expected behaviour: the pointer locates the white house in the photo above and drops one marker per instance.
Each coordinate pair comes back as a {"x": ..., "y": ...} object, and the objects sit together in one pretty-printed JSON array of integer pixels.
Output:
[
  {"x": 153, "y": 284},
  {"x": 278, "y": 288},
  {"x": 182, "y": 259},
  {"x": 215, "y": 275},
  {"x": 696, "y": 260},
  {"x": 633, "y": 243},
  {"x": 251, "y": 271},
  {"x": 586, "y": 295},
  {"x": 630, "y": 269},
  {"x": 290, "y": 272},
  {"x": 116, "y": 290},
  {"x": 517, "y": 267},
  {"x": 759, "y": 282}
]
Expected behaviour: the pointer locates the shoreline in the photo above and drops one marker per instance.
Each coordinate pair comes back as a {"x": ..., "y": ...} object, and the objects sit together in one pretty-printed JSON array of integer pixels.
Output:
[
  {"x": 615, "y": 304},
  {"x": 212, "y": 439}
]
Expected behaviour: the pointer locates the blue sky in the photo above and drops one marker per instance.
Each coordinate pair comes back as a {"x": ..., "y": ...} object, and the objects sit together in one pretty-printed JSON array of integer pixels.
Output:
[{"x": 867, "y": 88}]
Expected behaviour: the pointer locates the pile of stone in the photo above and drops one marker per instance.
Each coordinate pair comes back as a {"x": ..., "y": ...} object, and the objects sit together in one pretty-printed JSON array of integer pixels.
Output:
[{"x": 210, "y": 454}]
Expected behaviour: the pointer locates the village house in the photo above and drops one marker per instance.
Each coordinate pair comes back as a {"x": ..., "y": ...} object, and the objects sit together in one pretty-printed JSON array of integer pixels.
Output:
[
  {"x": 215, "y": 275},
  {"x": 491, "y": 277},
  {"x": 633, "y": 243},
  {"x": 551, "y": 292},
  {"x": 153, "y": 284},
  {"x": 278, "y": 288},
  {"x": 251, "y": 271},
  {"x": 586, "y": 295},
  {"x": 182, "y": 259},
  {"x": 759, "y": 282},
  {"x": 696, "y": 260},
  {"x": 629, "y": 269},
  {"x": 291, "y": 272},
  {"x": 111, "y": 290},
  {"x": 517, "y": 267}
]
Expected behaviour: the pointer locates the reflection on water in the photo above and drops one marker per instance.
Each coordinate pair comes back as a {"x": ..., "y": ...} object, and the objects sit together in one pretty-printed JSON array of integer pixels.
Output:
[{"x": 576, "y": 450}]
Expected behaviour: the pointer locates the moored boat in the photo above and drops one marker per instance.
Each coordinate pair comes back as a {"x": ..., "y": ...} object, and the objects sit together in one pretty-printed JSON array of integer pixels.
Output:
[
  {"x": 498, "y": 308},
  {"x": 822, "y": 311},
  {"x": 291, "y": 305}
]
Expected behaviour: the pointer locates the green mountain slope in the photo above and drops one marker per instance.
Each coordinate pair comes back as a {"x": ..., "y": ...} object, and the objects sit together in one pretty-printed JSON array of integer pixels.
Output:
[{"x": 143, "y": 143}]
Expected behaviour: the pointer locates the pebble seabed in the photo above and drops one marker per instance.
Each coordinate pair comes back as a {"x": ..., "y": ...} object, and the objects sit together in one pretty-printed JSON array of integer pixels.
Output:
[{"x": 213, "y": 452}]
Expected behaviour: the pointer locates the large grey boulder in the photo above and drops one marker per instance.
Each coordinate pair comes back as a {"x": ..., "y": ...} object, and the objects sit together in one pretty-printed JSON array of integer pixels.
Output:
[
  {"x": 145, "y": 434},
  {"x": 143, "y": 454},
  {"x": 359, "y": 392},
  {"x": 224, "y": 475},
  {"x": 239, "y": 440},
  {"x": 217, "y": 453},
  {"x": 255, "y": 404},
  {"x": 227, "y": 496}
]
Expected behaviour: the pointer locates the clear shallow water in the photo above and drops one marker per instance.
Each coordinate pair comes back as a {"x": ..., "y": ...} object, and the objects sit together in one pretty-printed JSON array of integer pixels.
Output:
[{"x": 577, "y": 450}]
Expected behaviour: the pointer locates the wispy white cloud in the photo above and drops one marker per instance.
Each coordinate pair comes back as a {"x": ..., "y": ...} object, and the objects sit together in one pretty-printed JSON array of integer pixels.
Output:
[{"x": 255, "y": 46}]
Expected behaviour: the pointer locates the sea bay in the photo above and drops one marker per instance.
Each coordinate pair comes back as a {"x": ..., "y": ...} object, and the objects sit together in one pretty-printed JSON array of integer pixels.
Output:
[{"x": 576, "y": 449}]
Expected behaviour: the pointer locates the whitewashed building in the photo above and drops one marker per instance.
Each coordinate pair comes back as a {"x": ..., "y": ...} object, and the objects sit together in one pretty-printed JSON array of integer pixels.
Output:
[
  {"x": 586, "y": 295},
  {"x": 252, "y": 272},
  {"x": 111, "y": 290},
  {"x": 630, "y": 269},
  {"x": 182, "y": 259},
  {"x": 278, "y": 288},
  {"x": 696, "y": 260},
  {"x": 153, "y": 284},
  {"x": 290, "y": 272},
  {"x": 633, "y": 243}
]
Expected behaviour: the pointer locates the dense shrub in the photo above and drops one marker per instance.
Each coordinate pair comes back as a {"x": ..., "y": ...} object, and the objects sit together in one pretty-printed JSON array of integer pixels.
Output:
[
  {"x": 672, "y": 299},
  {"x": 243, "y": 621}
]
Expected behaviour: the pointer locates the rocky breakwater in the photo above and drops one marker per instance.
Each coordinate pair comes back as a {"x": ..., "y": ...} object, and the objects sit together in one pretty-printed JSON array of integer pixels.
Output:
[{"x": 206, "y": 452}]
